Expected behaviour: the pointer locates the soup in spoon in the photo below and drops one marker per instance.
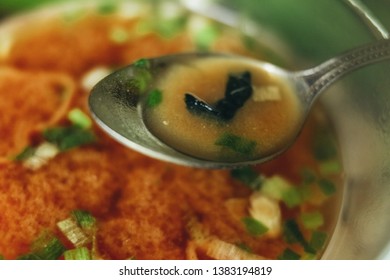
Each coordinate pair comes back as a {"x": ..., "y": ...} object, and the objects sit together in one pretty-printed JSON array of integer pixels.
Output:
[{"x": 222, "y": 108}]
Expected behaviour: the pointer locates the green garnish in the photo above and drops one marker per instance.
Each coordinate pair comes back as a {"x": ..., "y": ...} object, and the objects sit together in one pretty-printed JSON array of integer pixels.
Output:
[
  {"x": 327, "y": 186},
  {"x": 84, "y": 219},
  {"x": 81, "y": 253},
  {"x": 79, "y": 118},
  {"x": 330, "y": 167},
  {"x": 244, "y": 247},
  {"x": 289, "y": 254},
  {"x": 107, "y": 7},
  {"x": 142, "y": 63},
  {"x": 237, "y": 144},
  {"x": 318, "y": 239},
  {"x": 27, "y": 152},
  {"x": 324, "y": 147},
  {"x": 206, "y": 37},
  {"x": 254, "y": 227},
  {"x": 308, "y": 176},
  {"x": 69, "y": 137},
  {"x": 154, "y": 98},
  {"x": 312, "y": 220},
  {"x": 248, "y": 176},
  {"x": 293, "y": 234},
  {"x": 168, "y": 28},
  {"x": 46, "y": 247},
  {"x": 119, "y": 35},
  {"x": 291, "y": 197},
  {"x": 2, "y": 257}
]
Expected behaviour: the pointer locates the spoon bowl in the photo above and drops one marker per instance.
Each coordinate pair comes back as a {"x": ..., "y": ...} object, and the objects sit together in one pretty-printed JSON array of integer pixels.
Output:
[{"x": 117, "y": 101}]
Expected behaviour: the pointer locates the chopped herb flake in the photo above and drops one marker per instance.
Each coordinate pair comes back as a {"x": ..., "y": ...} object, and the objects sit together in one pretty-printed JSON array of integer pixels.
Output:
[
  {"x": 291, "y": 197},
  {"x": 107, "y": 8},
  {"x": 330, "y": 167},
  {"x": 275, "y": 187},
  {"x": 26, "y": 153},
  {"x": 327, "y": 186},
  {"x": 142, "y": 63},
  {"x": 79, "y": 118},
  {"x": 46, "y": 247},
  {"x": 318, "y": 239},
  {"x": 248, "y": 176},
  {"x": 206, "y": 37},
  {"x": 254, "y": 227},
  {"x": 69, "y": 137},
  {"x": 244, "y": 247},
  {"x": 308, "y": 176},
  {"x": 312, "y": 220},
  {"x": 154, "y": 98},
  {"x": 293, "y": 234},
  {"x": 84, "y": 218},
  {"x": 119, "y": 35},
  {"x": 236, "y": 143},
  {"x": 81, "y": 253},
  {"x": 289, "y": 254},
  {"x": 168, "y": 28}
]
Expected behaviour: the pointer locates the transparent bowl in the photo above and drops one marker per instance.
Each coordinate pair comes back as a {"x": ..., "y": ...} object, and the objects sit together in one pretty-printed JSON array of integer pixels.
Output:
[{"x": 359, "y": 105}]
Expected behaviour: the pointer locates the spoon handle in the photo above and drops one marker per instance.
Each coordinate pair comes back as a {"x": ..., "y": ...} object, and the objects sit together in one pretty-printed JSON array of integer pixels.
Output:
[{"x": 323, "y": 75}]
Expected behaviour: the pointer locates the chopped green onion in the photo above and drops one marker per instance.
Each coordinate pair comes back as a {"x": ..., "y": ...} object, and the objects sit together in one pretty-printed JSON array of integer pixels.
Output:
[
  {"x": 81, "y": 253},
  {"x": 154, "y": 98},
  {"x": 330, "y": 167},
  {"x": 142, "y": 63},
  {"x": 107, "y": 7},
  {"x": 73, "y": 232},
  {"x": 293, "y": 234},
  {"x": 168, "y": 28},
  {"x": 312, "y": 220},
  {"x": 275, "y": 187},
  {"x": 205, "y": 37},
  {"x": 289, "y": 254},
  {"x": 84, "y": 219},
  {"x": 46, "y": 247},
  {"x": 79, "y": 118},
  {"x": 308, "y": 176},
  {"x": 119, "y": 35},
  {"x": 26, "y": 153},
  {"x": 254, "y": 227},
  {"x": 292, "y": 197},
  {"x": 69, "y": 137},
  {"x": 236, "y": 143},
  {"x": 318, "y": 239},
  {"x": 323, "y": 146},
  {"x": 244, "y": 247},
  {"x": 248, "y": 176},
  {"x": 327, "y": 186},
  {"x": 2, "y": 257}
]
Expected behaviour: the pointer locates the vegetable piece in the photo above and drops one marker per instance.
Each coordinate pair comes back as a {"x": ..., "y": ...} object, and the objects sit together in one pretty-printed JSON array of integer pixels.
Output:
[
  {"x": 330, "y": 167},
  {"x": 279, "y": 188},
  {"x": 323, "y": 146},
  {"x": 119, "y": 35},
  {"x": 46, "y": 247},
  {"x": 142, "y": 63},
  {"x": 292, "y": 197},
  {"x": 69, "y": 137},
  {"x": 289, "y": 254},
  {"x": 79, "y": 118},
  {"x": 237, "y": 144},
  {"x": 81, "y": 253},
  {"x": 254, "y": 227},
  {"x": 206, "y": 36},
  {"x": 168, "y": 28},
  {"x": 25, "y": 154},
  {"x": 221, "y": 250},
  {"x": 74, "y": 233},
  {"x": 84, "y": 219},
  {"x": 154, "y": 98},
  {"x": 266, "y": 210},
  {"x": 327, "y": 186},
  {"x": 312, "y": 220},
  {"x": 107, "y": 7},
  {"x": 318, "y": 239},
  {"x": 293, "y": 234},
  {"x": 238, "y": 90},
  {"x": 248, "y": 176}
]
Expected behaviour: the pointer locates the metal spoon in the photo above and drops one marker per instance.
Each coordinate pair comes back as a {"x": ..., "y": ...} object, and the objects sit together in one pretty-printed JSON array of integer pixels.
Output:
[{"x": 116, "y": 102}]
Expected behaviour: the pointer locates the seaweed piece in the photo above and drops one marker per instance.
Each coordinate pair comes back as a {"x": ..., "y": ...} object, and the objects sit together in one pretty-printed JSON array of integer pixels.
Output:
[{"x": 238, "y": 90}]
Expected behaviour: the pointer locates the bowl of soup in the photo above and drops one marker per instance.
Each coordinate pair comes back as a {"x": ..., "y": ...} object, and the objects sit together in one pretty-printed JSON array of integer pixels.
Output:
[{"x": 70, "y": 191}]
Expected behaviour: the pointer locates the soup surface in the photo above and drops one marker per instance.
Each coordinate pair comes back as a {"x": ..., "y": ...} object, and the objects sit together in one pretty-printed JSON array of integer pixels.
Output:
[
  {"x": 69, "y": 191},
  {"x": 250, "y": 113}
]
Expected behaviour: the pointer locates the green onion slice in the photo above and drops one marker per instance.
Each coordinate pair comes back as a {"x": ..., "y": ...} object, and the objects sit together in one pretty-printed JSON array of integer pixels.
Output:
[
  {"x": 248, "y": 176},
  {"x": 79, "y": 118},
  {"x": 237, "y": 144},
  {"x": 312, "y": 220},
  {"x": 254, "y": 227},
  {"x": 81, "y": 253},
  {"x": 289, "y": 254}
]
